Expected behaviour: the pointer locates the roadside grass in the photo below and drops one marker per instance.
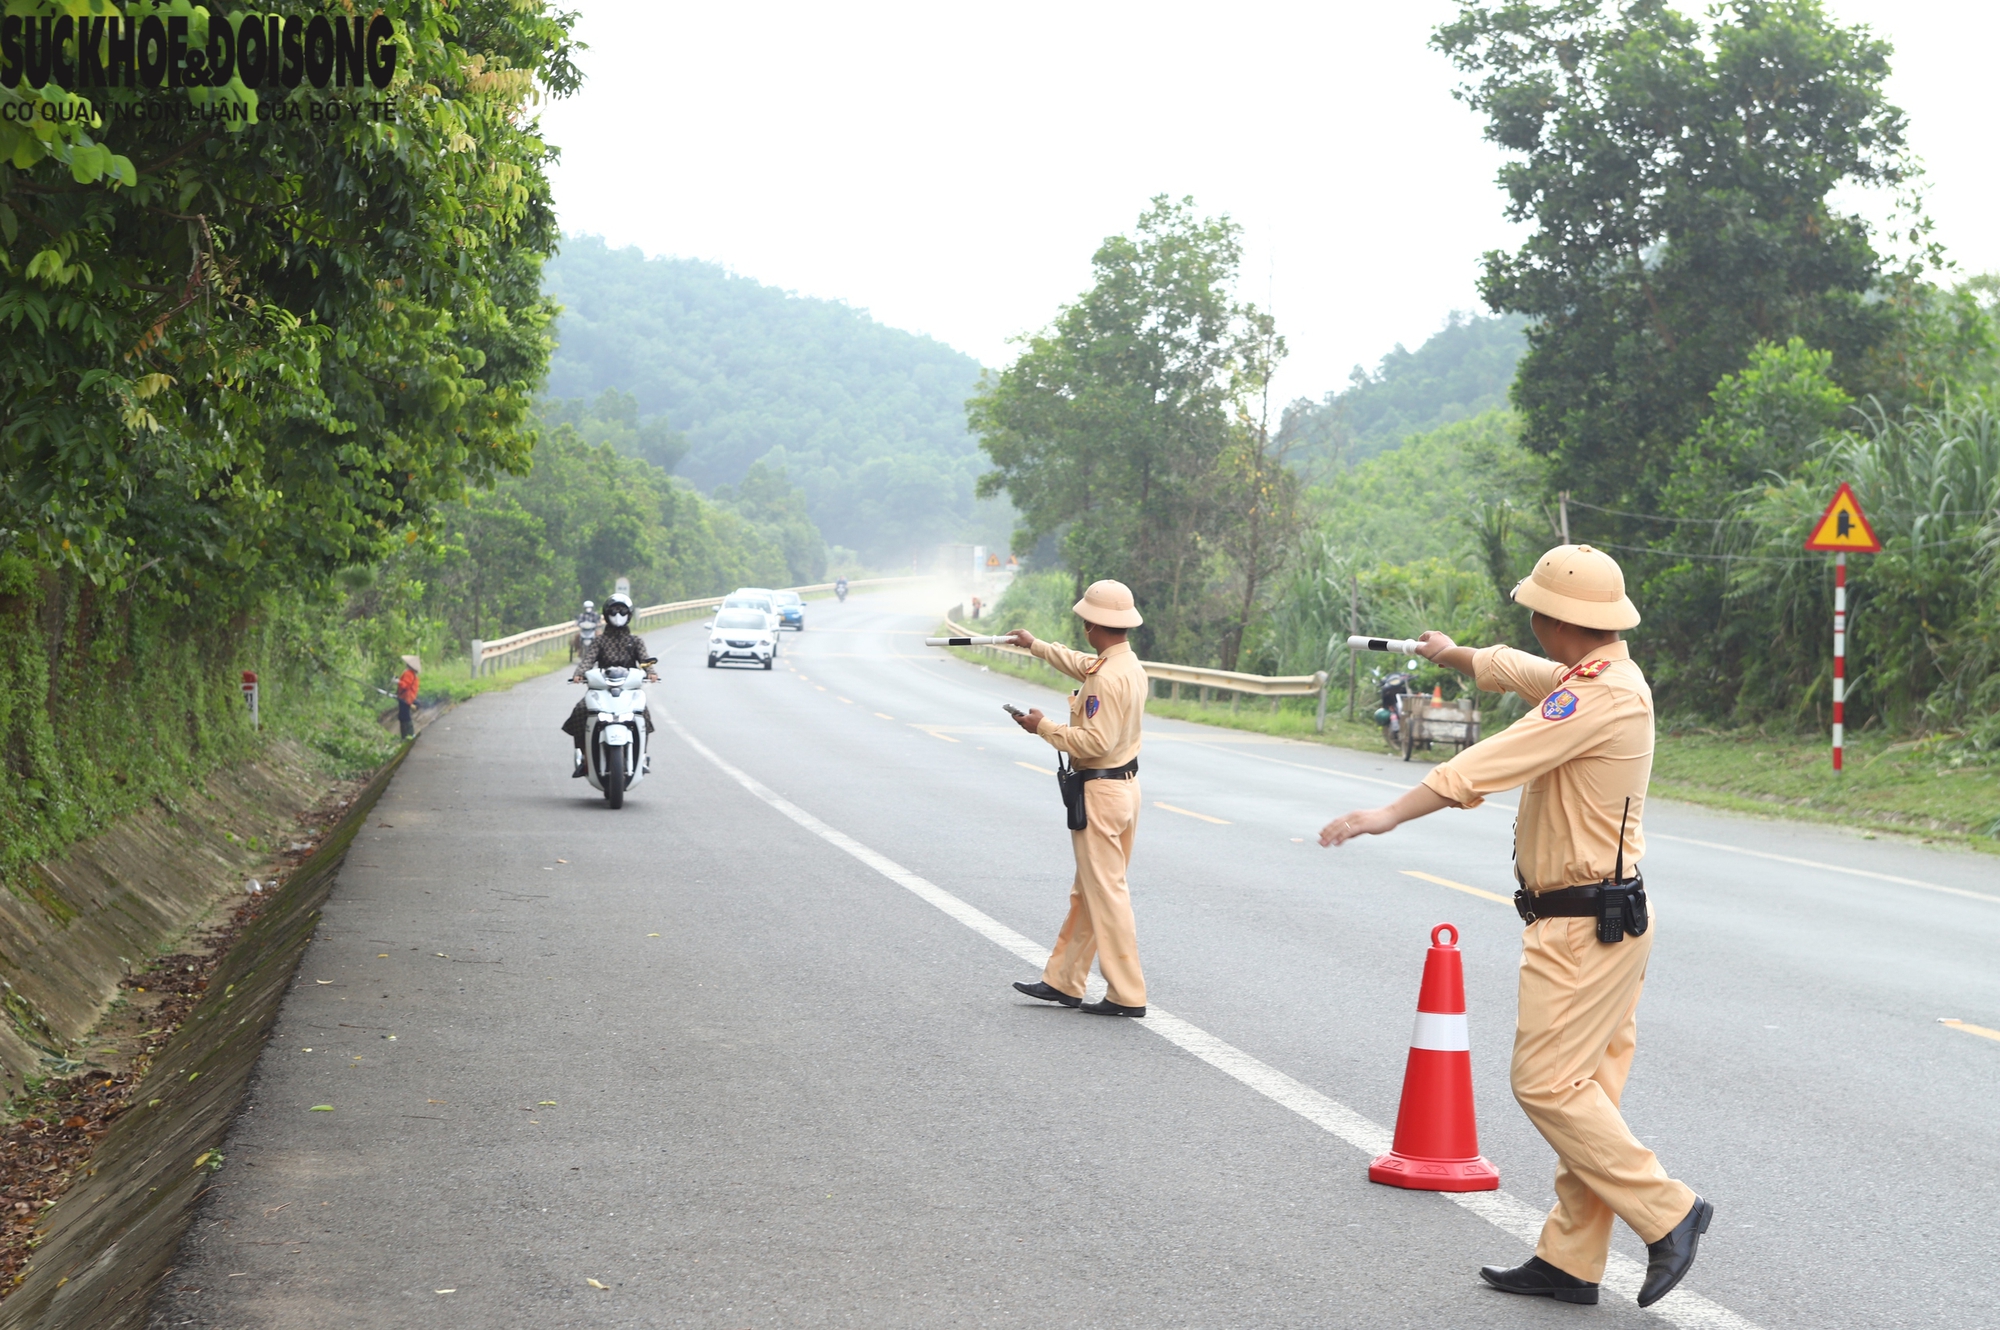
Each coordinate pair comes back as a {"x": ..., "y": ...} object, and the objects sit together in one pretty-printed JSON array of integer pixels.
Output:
[
  {"x": 453, "y": 682},
  {"x": 1903, "y": 787},
  {"x": 1888, "y": 785}
]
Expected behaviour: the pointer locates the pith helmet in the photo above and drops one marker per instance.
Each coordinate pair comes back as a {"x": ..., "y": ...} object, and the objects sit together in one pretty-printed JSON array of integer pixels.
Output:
[
  {"x": 1579, "y": 585},
  {"x": 1108, "y": 604}
]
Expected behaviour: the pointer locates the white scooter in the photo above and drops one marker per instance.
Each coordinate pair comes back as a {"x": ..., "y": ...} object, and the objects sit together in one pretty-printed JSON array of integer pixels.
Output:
[{"x": 614, "y": 731}]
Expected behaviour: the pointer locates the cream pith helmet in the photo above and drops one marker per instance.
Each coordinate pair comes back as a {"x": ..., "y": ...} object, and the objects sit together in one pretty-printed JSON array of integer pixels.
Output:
[
  {"x": 1108, "y": 604},
  {"x": 1579, "y": 585}
]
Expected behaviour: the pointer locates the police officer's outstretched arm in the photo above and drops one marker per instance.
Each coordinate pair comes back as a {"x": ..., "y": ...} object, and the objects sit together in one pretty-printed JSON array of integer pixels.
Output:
[
  {"x": 1073, "y": 663},
  {"x": 1530, "y": 747}
]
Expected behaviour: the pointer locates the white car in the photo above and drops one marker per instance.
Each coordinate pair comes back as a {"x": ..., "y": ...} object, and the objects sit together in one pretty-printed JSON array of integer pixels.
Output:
[
  {"x": 751, "y": 600},
  {"x": 742, "y": 634}
]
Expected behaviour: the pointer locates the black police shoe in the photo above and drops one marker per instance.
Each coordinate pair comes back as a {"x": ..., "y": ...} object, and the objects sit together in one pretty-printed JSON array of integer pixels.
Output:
[
  {"x": 1041, "y": 990},
  {"x": 1541, "y": 1280},
  {"x": 1668, "y": 1259},
  {"x": 1110, "y": 1008}
]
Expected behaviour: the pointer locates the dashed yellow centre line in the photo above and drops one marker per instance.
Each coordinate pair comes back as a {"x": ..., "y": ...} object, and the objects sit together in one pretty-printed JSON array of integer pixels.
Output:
[
  {"x": 1460, "y": 886},
  {"x": 1979, "y": 1030},
  {"x": 1189, "y": 812},
  {"x": 820, "y": 686},
  {"x": 885, "y": 715},
  {"x": 1046, "y": 771},
  {"x": 848, "y": 700}
]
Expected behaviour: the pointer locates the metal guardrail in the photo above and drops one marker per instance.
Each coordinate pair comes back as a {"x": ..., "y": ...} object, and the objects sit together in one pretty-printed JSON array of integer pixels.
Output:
[
  {"x": 533, "y": 643},
  {"x": 1237, "y": 685}
]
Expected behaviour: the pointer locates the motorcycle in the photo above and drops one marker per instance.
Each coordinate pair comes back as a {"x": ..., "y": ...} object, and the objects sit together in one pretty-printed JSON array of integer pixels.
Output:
[
  {"x": 1389, "y": 714},
  {"x": 615, "y": 756},
  {"x": 840, "y": 591}
]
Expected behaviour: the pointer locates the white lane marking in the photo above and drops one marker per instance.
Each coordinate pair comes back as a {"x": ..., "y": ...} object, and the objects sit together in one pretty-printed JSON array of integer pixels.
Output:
[
  {"x": 1826, "y": 868},
  {"x": 1622, "y": 1274}
]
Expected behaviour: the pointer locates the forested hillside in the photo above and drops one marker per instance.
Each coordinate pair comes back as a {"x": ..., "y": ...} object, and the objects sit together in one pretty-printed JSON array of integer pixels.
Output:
[
  {"x": 869, "y": 421},
  {"x": 1460, "y": 370}
]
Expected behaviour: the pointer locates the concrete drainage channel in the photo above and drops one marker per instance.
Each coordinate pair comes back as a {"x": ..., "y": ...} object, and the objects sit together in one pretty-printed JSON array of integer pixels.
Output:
[{"x": 107, "y": 1243}]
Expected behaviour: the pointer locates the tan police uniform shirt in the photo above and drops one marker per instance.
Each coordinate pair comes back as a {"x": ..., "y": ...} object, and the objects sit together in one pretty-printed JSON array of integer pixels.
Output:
[
  {"x": 1105, "y": 713},
  {"x": 1582, "y": 750}
]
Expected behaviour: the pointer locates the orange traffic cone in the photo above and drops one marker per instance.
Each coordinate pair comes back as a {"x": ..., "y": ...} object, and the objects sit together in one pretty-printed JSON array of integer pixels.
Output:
[
  {"x": 1437, "y": 1141},
  {"x": 1437, "y": 692}
]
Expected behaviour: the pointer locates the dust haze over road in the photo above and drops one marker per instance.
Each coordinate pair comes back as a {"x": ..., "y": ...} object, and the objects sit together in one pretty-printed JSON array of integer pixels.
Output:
[{"x": 701, "y": 1053}]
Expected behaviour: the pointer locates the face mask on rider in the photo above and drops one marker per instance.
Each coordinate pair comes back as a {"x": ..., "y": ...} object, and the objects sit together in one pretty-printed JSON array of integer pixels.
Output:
[{"x": 617, "y": 620}]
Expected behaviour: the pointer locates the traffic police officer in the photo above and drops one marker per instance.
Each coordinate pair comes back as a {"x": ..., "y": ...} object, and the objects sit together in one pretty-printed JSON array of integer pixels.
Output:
[
  {"x": 1583, "y": 754},
  {"x": 1102, "y": 740}
]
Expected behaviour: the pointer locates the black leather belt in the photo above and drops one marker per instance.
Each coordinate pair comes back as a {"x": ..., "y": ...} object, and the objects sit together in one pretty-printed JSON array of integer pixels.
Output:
[
  {"x": 1618, "y": 907},
  {"x": 1126, "y": 772}
]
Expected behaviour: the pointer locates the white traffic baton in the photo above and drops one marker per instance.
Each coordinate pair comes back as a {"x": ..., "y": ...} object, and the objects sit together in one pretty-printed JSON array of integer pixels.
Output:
[
  {"x": 969, "y": 641},
  {"x": 1402, "y": 646}
]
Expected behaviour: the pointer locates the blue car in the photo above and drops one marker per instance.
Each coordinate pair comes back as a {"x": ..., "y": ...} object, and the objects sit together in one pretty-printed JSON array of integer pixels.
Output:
[{"x": 791, "y": 610}]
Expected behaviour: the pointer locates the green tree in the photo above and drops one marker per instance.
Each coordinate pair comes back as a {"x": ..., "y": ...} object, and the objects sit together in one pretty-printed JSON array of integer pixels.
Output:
[
  {"x": 1677, "y": 176},
  {"x": 770, "y": 502},
  {"x": 613, "y": 418},
  {"x": 1258, "y": 494},
  {"x": 1113, "y": 425},
  {"x": 242, "y": 357}
]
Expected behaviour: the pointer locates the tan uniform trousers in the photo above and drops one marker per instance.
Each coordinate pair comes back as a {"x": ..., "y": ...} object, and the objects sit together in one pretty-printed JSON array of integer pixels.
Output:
[
  {"x": 1100, "y": 907},
  {"x": 1572, "y": 1052}
]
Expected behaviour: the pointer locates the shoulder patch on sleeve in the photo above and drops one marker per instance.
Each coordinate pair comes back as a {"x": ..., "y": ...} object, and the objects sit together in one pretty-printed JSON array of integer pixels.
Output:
[
  {"x": 1090, "y": 705},
  {"x": 1560, "y": 705}
]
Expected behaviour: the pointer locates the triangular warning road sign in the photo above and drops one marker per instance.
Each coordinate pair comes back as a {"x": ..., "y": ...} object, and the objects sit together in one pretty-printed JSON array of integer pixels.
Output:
[{"x": 1842, "y": 529}]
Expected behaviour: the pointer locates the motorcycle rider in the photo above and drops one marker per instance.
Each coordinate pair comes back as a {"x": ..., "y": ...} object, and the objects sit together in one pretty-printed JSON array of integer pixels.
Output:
[
  {"x": 1388, "y": 715},
  {"x": 586, "y": 626},
  {"x": 615, "y": 645},
  {"x": 840, "y": 589}
]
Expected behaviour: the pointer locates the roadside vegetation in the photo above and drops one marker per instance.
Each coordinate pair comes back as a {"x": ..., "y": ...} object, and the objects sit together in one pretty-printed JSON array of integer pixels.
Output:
[{"x": 1710, "y": 348}]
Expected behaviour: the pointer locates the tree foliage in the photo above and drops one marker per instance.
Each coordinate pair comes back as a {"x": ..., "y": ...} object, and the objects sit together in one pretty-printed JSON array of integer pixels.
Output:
[
  {"x": 1116, "y": 426},
  {"x": 248, "y": 353},
  {"x": 1677, "y": 175},
  {"x": 612, "y": 417},
  {"x": 530, "y": 550}
]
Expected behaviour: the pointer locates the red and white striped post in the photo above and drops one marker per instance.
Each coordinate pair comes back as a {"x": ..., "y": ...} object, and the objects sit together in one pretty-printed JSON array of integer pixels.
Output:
[
  {"x": 1842, "y": 529},
  {"x": 1839, "y": 655}
]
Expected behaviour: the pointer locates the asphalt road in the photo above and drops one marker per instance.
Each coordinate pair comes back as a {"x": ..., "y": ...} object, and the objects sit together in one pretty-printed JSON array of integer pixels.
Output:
[{"x": 744, "y": 1052}]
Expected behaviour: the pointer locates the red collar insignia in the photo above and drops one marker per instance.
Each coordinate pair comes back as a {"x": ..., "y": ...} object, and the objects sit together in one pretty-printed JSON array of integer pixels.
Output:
[{"x": 1587, "y": 670}]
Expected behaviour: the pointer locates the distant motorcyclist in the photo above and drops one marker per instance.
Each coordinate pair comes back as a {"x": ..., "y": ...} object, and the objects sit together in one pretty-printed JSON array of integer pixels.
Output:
[
  {"x": 1389, "y": 715},
  {"x": 586, "y": 626},
  {"x": 840, "y": 589},
  {"x": 616, "y": 645}
]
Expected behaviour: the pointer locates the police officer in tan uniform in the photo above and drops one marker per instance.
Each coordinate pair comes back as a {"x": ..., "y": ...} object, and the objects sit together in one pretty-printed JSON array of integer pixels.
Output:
[
  {"x": 1583, "y": 755},
  {"x": 1102, "y": 741}
]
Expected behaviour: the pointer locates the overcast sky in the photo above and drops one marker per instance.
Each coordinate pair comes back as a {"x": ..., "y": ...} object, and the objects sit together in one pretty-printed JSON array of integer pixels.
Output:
[{"x": 951, "y": 167}]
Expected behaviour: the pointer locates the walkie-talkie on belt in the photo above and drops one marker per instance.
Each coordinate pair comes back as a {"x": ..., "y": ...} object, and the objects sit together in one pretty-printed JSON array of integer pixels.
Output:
[{"x": 1621, "y": 909}]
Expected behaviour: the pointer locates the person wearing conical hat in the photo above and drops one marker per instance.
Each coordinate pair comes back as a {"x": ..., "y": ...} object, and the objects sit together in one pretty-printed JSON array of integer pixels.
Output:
[
  {"x": 1102, "y": 743},
  {"x": 1583, "y": 756},
  {"x": 406, "y": 696}
]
